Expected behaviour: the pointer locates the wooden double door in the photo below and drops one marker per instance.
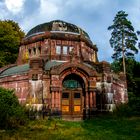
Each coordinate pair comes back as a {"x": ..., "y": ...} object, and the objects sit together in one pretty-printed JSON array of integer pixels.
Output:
[{"x": 72, "y": 103}]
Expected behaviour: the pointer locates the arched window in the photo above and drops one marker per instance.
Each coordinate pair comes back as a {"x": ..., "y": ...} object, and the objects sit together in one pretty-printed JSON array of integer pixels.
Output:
[{"x": 71, "y": 83}]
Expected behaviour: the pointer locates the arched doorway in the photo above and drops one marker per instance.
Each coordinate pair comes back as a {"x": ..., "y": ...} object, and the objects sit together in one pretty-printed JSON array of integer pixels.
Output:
[{"x": 73, "y": 93}]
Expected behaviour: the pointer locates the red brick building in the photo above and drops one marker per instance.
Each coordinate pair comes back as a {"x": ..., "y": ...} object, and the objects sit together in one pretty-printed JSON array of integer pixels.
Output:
[{"x": 58, "y": 69}]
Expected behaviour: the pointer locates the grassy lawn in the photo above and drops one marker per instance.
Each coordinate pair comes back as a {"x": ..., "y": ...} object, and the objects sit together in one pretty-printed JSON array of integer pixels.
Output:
[{"x": 99, "y": 128}]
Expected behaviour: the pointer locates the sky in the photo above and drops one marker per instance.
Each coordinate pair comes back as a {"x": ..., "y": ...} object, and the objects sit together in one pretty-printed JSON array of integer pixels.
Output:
[{"x": 94, "y": 16}]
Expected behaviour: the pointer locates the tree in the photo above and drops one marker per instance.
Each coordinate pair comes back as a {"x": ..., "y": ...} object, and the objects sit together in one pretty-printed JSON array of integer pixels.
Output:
[
  {"x": 11, "y": 112},
  {"x": 138, "y": 32},
  {"x": 123, "y": 38},
  {"x": 10, "y": 38}
]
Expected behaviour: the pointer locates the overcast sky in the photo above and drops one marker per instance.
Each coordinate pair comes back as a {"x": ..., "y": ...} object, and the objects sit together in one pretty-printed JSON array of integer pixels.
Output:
[{"x": 94, "y": 16}]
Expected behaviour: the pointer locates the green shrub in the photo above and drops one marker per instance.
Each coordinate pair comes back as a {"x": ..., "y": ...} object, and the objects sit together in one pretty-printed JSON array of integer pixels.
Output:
[
  {"x": 134, "y": 103},
  {"x": 11, "y": 112},
  {"x": 132, "y": 108},
  {"x": 123, "y": 110}
]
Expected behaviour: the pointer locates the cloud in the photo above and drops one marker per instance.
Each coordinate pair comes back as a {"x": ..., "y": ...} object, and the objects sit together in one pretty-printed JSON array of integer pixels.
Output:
[
  {"x": 48, "y": 8},
  {"x": 2, "y": 15},
  {"x": 45, "y": 11},
  {"x": 14, "y": 6}
]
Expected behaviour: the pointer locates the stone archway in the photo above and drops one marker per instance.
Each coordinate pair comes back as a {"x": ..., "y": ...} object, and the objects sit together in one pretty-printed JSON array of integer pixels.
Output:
[{"x": 86, "y": 92}]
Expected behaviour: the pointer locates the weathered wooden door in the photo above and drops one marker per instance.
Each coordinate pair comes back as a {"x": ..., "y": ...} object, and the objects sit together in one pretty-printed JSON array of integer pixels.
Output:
[
  {"x": 72, "y": 96},
  {"x": 72, "y": 103}
]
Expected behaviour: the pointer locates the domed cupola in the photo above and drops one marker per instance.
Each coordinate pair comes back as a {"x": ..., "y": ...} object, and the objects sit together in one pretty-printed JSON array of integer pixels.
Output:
[{"x": 56, "y": 26}]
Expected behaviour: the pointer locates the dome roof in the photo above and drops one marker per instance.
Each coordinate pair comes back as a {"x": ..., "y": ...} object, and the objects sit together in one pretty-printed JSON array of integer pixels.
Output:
[{"x": 58, "y": 26}]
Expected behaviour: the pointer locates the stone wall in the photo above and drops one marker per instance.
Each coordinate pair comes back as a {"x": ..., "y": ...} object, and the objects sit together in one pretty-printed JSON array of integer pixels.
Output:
[{"x": 18, "y": 83}]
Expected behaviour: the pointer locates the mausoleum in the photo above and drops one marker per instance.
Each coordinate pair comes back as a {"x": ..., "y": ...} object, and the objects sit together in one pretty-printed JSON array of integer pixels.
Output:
[{"x": 58, "y": 70}]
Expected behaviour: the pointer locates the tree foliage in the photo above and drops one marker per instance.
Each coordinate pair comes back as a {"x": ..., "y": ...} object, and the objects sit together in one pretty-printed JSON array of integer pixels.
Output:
[
  {"x": 133, "y": 87},
  {"x": 123, "y": 36},
  {"x": 10, "y": 37},
  {"x": 132, "y": 74},
  {"x": 138, "y": 32},
  {"x": 11, "y": 112}
]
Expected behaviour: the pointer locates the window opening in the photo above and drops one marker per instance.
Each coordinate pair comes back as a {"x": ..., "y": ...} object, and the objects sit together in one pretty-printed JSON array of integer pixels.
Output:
[
  {"x": 34, "y": 50},
  {"x": 39, "y": 50},
  {"x": 76, "y": 95},
  {"x": 30, "y": 52},
  {"x": 65, "y": 95},
  {"x": 34, "y": 77},
  {"x": 70, "y": 49},
  {"x": 58, "y": 49},
  {"x": 65, "y": 49}
]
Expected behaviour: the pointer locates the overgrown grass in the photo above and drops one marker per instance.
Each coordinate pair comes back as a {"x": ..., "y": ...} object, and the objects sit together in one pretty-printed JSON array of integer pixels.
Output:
[{"x": 99, "y": 128}]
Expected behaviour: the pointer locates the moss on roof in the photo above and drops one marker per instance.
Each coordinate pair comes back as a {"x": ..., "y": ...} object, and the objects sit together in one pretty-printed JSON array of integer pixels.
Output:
[{"x": 15, "y": 70}]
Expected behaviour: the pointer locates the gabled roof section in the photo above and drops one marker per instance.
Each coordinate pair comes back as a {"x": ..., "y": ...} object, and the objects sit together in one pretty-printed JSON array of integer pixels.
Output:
[{"x": 53, "y": 63}]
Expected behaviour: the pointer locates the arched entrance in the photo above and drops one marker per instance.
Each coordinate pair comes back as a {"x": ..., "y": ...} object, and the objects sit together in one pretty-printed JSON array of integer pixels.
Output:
[{"x": 73, "y": 91}]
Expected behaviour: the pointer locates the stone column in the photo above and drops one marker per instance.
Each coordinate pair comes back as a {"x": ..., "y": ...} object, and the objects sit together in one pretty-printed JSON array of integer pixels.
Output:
[
  {"x": 59, "y": 100},
  {"x": 56, "y": 99},
  {"x": 91, "y": 99},
  {"x": 94, "y": 99},
  {"x": 87, "y": 100},
  {"x": 52, "y": 99},
  {"x": 87, "y": 105}
]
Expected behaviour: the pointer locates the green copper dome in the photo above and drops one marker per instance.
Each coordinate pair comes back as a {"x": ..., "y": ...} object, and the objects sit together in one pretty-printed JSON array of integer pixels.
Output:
[{"x": 56, "y": 26}]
